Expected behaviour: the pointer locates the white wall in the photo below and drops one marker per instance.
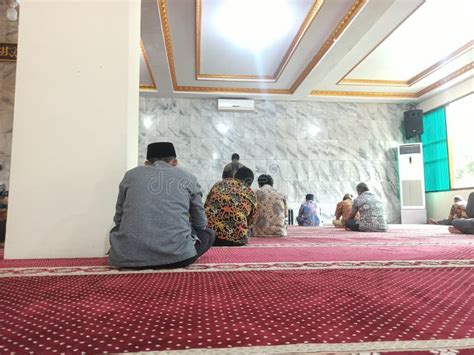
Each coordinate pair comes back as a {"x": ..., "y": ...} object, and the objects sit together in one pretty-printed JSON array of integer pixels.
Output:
[{"x": 76, "y": 110}]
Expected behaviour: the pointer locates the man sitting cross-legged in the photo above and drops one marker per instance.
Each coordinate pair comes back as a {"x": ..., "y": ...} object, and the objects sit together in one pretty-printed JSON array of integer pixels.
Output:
[
  {"x": 458, "y": 210},
  {"x": 371, "y": 211},
  {"x": 465, "y": 225},
  {"x": 159, "y": 220},
  {"x": 230, "y": 207},
  {"x": 343, "y": 212},
  {"x": 272, "y": 209}
]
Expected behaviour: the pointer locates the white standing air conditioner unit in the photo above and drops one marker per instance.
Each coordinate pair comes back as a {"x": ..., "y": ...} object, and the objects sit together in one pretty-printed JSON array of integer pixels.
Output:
[
  {"x": 235, "y": 105},
  {"x": 412, "y": 183}
]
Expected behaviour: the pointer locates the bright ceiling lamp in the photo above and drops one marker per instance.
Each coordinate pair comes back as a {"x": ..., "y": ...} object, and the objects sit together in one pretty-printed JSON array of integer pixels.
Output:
[{"x": 253, "y": 24}]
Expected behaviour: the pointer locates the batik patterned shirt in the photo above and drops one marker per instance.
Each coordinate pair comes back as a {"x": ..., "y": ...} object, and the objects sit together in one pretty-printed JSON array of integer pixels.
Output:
[
  {"x": 372, "y": 213},
  {"x": 344, "y": 210},
  {"x": 271, "y": 212},
  {"x": 231, "y": 208},
  {"x": 458, "y": 210}
]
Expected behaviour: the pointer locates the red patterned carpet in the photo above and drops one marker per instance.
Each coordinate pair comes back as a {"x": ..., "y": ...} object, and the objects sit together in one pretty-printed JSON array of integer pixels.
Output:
[{"x": 409, "y": 291}]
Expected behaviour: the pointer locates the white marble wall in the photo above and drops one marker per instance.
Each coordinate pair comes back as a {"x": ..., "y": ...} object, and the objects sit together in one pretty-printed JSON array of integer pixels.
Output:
[
  {"x": 308, "y": 147},
  {"x": 8, "y": 34}
]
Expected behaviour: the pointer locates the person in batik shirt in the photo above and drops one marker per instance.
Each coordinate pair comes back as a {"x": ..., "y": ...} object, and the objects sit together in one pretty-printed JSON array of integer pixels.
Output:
[
  {"x": 458, "y": 210},
  {"x": 371, "y": 210},
  {"x": 308, "y": 212},
  {"x": 465, "y": 225},
  {"x": 272, "y": 210},
  {"x": 231, "y": 207}
]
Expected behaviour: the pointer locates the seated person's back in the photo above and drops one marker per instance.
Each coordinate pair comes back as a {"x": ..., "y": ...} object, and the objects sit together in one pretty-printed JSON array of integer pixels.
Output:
[
  {"x": 230, "y": 208},
  {"x": 231, "y": 169},
  {"x": 343, "y": 211},
  {"x": 371, "y": 211},
  {"x": 272, "y": 209},
  {"x": 158, "y": 219},
  {"x": 308, "y": 212}
]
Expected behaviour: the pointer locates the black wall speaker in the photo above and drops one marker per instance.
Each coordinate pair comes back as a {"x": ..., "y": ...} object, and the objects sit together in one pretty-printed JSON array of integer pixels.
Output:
[{"x": 413, "y": 123}]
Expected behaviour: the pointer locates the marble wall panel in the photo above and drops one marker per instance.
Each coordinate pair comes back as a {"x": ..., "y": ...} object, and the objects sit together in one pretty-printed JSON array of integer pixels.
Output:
[
  {"x": 324, "y": 148},
  {"x": 8, "y": 34}
]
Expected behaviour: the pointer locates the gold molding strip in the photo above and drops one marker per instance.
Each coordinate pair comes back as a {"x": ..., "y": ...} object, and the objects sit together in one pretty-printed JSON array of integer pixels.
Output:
[
  {"x": 446, "y": 79},
  {"x": 396, "y": 95},
  {"x": 421, "y": 75},
  {"x": 197, "y": 38},
  {"x": 348, "y": 18},
  {"x": 165, "y": 26},
  {"x": 313, "y": 11},
  {"x": 372, "y": 82},
  {"x": 438, "y": 65},
  {"x": 145, "y": 87},
  {"x": 236, "y": 77}
]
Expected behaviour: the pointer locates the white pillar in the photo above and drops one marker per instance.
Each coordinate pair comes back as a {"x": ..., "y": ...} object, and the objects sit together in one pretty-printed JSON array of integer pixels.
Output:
[{"x": 75, "y": 125}]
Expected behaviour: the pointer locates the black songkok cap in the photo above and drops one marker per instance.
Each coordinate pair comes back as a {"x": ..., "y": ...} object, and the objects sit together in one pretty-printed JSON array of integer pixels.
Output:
[
  {"x": 309, "y": 197},
  {"x": 160, "y": 150}
]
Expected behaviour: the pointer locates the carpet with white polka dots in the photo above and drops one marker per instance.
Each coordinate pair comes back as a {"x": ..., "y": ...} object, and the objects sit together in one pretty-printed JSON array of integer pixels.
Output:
[{"x": 318, "y": 290}]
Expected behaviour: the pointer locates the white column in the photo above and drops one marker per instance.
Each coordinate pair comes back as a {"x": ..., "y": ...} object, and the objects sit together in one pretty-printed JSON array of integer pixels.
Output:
[{"x": 75, "y": 124}]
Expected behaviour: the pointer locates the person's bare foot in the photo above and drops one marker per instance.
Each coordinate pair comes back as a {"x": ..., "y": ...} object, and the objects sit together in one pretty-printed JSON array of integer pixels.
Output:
[
  {"x": 454, "y": 230},
  {"x": 432, "y": 221}
]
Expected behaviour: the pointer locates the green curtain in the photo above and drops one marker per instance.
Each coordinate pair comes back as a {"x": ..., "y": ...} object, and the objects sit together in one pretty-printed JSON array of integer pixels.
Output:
[{"x": 435, "y": 151}]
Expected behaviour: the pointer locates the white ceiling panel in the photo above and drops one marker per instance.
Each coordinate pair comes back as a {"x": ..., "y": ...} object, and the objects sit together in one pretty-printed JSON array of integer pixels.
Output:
[
  {"x": 249, "y": 37},
  {"x": 434, "y": 31}
]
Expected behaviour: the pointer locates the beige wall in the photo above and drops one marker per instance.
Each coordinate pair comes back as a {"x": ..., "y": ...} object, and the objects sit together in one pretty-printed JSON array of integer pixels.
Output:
[
  {"x": 76, "y": 111},
  {"x": 8, "y": 34}
]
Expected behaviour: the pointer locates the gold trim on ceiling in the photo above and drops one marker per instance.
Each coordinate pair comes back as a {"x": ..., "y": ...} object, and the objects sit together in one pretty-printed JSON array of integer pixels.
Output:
[
  {"x": 146, "y": 87},
  {"x": 421, "y": 75},
  {"x": 313, "y": 11},
  {"x": 396, "y": 95},
  {"x": 330, "y": 41},
  {"x": 446, "y": 79},
  {"x": 342, "y": 25}
]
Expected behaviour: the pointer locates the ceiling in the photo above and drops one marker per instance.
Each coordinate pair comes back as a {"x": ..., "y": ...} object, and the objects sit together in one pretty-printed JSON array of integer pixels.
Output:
[{"x": 341, "y": 50}]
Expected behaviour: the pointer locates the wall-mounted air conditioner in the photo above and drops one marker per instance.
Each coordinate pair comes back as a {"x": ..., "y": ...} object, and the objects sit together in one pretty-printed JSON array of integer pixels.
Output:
[{"x": 235, "y": 105}]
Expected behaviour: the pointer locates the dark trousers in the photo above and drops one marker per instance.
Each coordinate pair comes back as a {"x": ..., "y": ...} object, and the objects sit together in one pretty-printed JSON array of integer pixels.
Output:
[
  {"x": 352, "y": 225},
  {"x": 204, "y": 242},
  {"x": 465, "y": 225},
  {"x": 226, "y": 243},
  {"x": 444, "y": 222}
]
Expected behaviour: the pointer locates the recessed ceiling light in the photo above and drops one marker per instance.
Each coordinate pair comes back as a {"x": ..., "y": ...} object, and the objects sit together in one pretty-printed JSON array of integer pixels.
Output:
[{"x": 253, "y": 24}]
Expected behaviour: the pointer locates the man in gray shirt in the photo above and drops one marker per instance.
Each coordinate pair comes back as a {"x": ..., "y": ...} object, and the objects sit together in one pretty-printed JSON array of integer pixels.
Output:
[{"x": 159, "y": 218}]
